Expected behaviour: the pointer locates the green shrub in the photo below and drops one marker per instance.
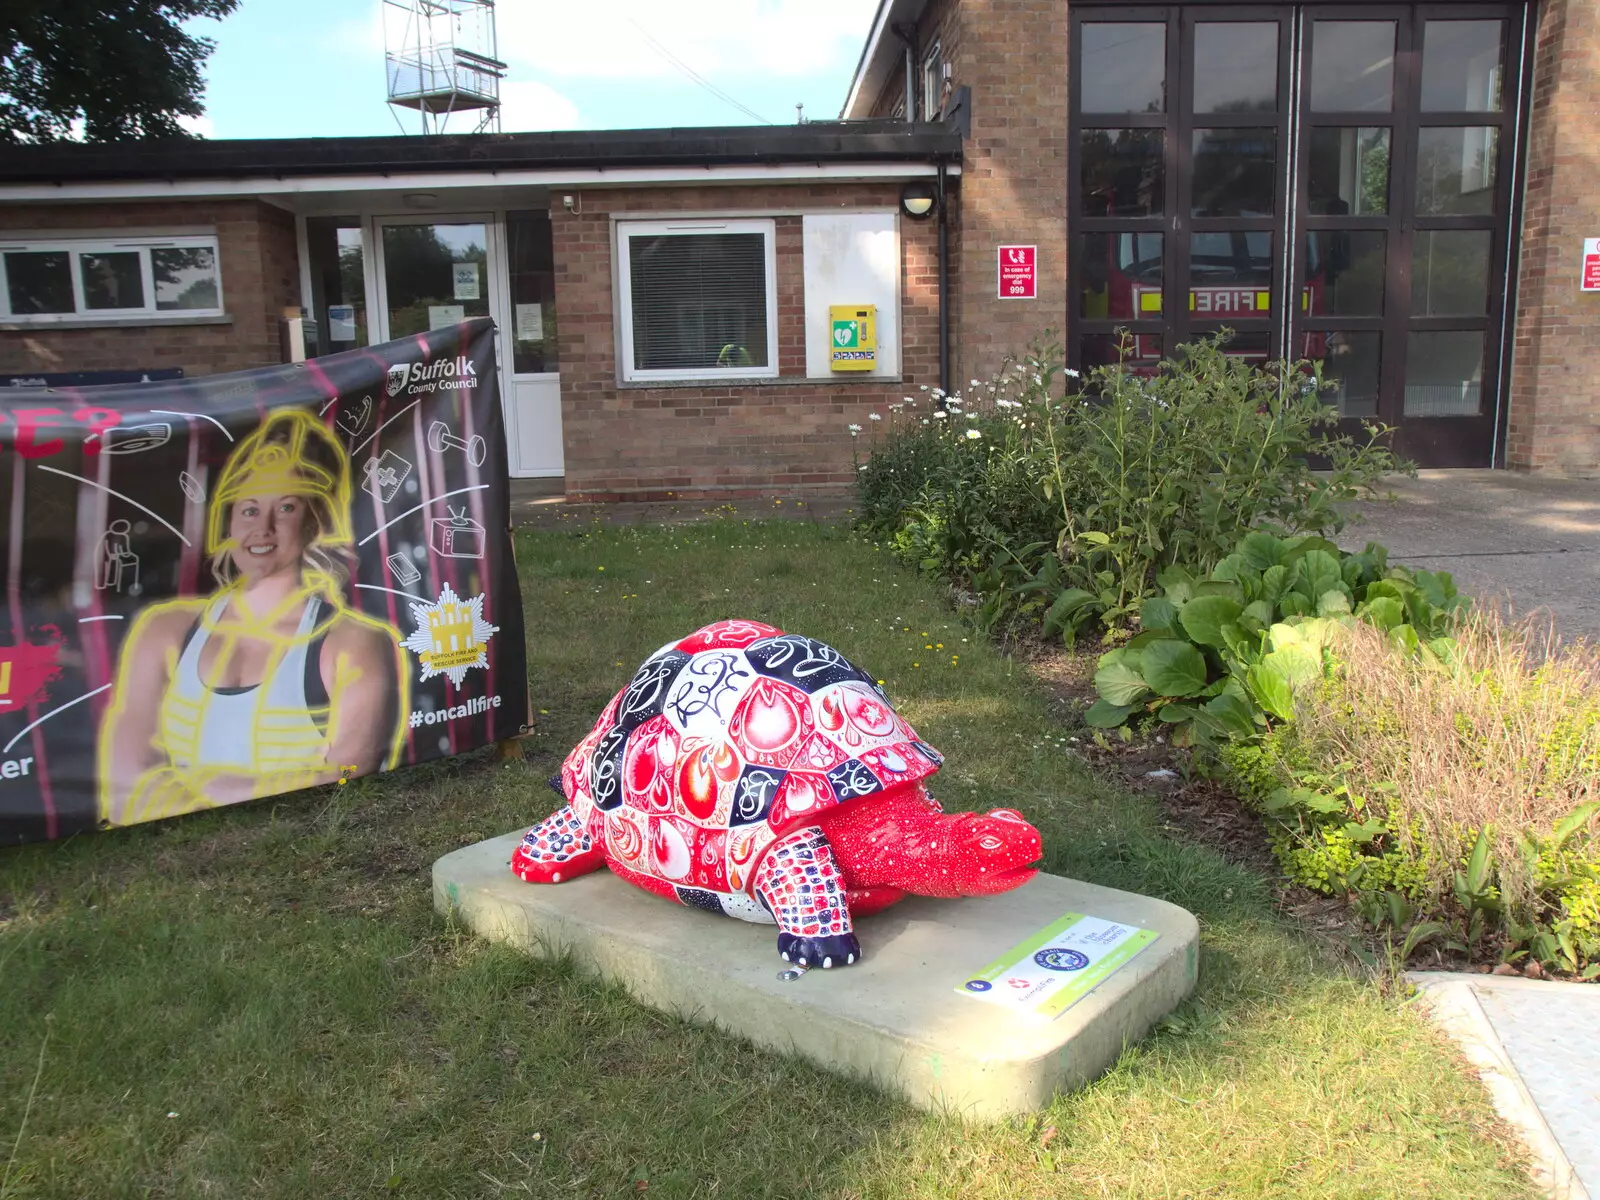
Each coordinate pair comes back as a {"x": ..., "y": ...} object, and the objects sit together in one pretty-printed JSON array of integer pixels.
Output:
[{"x": 1063, "y": 498}]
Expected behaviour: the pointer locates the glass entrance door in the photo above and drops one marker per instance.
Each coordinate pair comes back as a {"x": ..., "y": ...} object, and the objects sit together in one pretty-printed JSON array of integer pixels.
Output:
[
  {"x": 435, "y": 274},
  {"x": 1329, "y": 183}
]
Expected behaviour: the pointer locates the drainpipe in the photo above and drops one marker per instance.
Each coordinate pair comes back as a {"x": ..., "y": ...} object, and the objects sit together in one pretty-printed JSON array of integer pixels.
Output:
[
  {"x": 907, "y": 35},
  {"x": 944, "y": 287}
]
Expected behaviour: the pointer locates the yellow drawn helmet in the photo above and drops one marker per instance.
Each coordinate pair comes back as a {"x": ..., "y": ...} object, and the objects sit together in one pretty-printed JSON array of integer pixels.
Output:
[{"x": 291, "y": 453}]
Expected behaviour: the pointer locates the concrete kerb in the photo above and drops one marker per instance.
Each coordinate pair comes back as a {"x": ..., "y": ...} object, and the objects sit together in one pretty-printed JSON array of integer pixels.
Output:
[
  {"x": 1452, "y": 1001},
  {"x": 894, "y": 1019}
]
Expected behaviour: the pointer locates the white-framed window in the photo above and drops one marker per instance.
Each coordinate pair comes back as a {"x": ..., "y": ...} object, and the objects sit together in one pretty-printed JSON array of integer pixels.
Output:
[
  {"x": 82, "y": 279},
  {"x": 697, "y": 299},
  {"x": 932, "y": 81}
]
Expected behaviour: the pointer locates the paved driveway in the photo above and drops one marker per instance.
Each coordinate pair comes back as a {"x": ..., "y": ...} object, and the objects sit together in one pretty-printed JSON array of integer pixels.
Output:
[{"x": 1531, "y": 539}]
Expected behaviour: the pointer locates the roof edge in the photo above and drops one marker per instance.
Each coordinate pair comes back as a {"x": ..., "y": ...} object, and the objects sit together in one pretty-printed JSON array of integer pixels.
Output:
[{"x": 812, "y": 142}]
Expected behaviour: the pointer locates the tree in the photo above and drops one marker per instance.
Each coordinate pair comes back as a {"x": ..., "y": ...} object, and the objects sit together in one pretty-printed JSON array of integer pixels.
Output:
[{"x": 124, "y": 68}]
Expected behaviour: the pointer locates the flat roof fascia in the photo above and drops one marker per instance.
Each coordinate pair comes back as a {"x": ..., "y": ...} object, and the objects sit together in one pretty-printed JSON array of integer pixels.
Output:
[
  {"x": 607, "y": 150},
  {"x": 267, "y": 187}
]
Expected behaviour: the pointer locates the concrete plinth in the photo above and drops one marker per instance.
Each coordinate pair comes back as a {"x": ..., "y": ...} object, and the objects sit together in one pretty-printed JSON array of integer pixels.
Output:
[{"x": 895, "y": 1017}]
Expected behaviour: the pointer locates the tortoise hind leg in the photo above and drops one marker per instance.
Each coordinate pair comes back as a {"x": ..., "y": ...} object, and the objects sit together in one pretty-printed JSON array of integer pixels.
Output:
[
  {"x": 559, "y": 847},
  {"x": 800, "y": 883}
]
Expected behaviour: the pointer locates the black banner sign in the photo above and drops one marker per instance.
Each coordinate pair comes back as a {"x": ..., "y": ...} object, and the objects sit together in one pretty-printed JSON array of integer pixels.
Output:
[{"x": 229, "y": 587}]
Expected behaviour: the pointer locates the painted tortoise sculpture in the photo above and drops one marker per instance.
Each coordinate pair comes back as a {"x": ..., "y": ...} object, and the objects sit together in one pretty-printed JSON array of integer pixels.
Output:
[{"x": 761, "y": 774}]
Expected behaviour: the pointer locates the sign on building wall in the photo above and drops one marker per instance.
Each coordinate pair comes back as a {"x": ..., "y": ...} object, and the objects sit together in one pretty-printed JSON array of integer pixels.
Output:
[
  {"x": 239, "y": 585},
  {"x": 1019, "y": 272},
  {"x": 1591, "y": 264}
]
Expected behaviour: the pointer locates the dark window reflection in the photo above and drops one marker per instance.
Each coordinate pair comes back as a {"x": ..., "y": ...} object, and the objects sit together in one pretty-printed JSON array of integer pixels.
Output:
[
  {"x": 1121, "y": 275},
  {"x": 1123, "y": 172},
  {"x": 1235, "y": 66},
  {"x": 1444, "y": 374},
  {"x": 39, "y": 281},
  {"x": 1349, "y": 171},
  {"x": 1352, "y": 66},
  {"x": 1344, "y": 272},
  {"x": 1450, "y": 273},
  {"x": 1350, "y": 363},
  {"x": 1140, "y": 351},
  {"x": 338, "y": 281},
  {"x": 1230, "y": 274},
  {"x": 533, "y": 292},
  {"x": 1234, "y": 172},
  {"x": 185, "y": 277},
  {"x": 1456, "y": 169},
  {"x": 1461, "y": 66},
  {"x": 1123, "y": 68},
  {"x": 112, "y": 280}
]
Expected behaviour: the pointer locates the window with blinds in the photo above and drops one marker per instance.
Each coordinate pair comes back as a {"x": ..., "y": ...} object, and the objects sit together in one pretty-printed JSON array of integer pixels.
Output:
[{"x": 698, "y": 299}]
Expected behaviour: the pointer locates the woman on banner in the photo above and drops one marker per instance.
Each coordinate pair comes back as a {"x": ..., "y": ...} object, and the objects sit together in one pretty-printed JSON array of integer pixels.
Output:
[{"x": 273, "y": 682}]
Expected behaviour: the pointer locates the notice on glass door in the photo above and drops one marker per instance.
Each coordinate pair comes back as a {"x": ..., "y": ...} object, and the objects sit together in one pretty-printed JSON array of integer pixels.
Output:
[
  {"x": 465, "y": 275},
  {"x": 530, "y": 322},
  {"x": 442, "y": 316}
]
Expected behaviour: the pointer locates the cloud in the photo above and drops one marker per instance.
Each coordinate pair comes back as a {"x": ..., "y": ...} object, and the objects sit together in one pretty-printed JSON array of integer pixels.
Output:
[
  {"x": 724, "y": 40},
  {"x": 526, "y": 104},
  {"x": 201, "y": 126}
]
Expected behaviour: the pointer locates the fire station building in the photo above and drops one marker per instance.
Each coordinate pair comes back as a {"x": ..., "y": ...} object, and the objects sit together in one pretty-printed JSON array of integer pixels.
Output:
[{"x": 1403, "y": 193}]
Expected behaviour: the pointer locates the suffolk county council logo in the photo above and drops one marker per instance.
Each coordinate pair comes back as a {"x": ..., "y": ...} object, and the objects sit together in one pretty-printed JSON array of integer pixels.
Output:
[
  {"x": 1059, "y": 958},
  {"x": 451, "y": 636},
  {"x": 398, "y": 375}
]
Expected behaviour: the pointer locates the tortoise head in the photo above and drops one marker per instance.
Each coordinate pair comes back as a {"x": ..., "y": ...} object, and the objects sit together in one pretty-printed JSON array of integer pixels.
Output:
[{"x": 988, "y": 853}]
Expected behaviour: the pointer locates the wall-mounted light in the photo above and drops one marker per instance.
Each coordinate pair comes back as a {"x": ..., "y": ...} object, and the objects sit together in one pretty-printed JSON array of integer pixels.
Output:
[
  {"x": 918, "y": 200},
  {"x": 420, "y": 199}
]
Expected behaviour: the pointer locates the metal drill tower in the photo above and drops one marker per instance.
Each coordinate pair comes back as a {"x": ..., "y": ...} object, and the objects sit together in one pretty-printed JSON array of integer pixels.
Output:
[{"x": 443, "y": 60}]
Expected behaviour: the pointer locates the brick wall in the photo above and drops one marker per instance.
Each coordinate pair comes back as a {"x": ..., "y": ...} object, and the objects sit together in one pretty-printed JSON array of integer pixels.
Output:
[
  {"x": 777, "y": 437},
  {"x": 1013, "y": 186},
  {"x": 260, "y": 276},
  {"x": 1555, "y": 393}
]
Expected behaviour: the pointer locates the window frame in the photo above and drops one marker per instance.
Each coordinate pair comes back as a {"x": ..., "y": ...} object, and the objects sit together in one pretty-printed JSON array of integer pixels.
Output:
[
  {"x": 627, "y": 230},
  {"x": 932, "y": 79},
  {"x": 143, "y": 245}
]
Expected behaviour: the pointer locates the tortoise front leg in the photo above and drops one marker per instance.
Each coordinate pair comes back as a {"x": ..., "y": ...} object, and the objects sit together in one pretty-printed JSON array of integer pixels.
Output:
[
  {"x": 559, "y": 847},
  {"x": 801, "y": 885}
]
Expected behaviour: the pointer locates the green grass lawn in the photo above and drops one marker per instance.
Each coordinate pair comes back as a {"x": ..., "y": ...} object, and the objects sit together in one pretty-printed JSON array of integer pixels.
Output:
[{"x": 262, "y": 1002}]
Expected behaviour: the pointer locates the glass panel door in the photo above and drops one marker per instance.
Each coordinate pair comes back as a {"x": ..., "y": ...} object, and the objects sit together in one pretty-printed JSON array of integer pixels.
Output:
[
  {"x": 435, "y": 274},
  {"x": 1329, "y": 182},
  {"x": 1403, "y": 213},
  {"x": 1180, "y": 127}
]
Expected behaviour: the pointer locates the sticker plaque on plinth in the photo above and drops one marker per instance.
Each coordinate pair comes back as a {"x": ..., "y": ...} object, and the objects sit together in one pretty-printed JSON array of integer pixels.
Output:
[{"x": 1058, "y": 966}]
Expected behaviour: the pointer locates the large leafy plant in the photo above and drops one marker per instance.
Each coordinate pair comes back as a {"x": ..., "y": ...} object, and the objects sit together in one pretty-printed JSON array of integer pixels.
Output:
[{"x": 1221, "y": 656}]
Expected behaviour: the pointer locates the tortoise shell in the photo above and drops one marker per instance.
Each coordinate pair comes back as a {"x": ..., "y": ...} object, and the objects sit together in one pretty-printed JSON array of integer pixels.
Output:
[{"x": 727, "y": 739}]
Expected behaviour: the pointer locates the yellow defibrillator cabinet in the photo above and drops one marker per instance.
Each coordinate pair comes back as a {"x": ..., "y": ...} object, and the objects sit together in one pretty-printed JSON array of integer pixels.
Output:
[{"x": 854, "y": 341}]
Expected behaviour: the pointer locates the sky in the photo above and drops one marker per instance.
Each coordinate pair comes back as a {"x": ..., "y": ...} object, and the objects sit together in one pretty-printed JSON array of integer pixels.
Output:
[{"x": 315, "y": 68}]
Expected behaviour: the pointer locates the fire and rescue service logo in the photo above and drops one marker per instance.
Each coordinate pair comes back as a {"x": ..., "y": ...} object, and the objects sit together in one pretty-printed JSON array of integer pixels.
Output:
[{"x": 451, "y": 636}]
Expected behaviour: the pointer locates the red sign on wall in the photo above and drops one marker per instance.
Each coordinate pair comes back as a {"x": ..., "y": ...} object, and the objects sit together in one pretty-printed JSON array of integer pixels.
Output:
[
  {"x": 1591, "y": 264},
  {"x": 1019, "y": 272}
]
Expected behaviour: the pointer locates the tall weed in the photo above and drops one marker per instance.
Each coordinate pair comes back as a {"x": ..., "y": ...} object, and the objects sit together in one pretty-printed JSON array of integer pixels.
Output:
[{"x": 1470, "y": 784}]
